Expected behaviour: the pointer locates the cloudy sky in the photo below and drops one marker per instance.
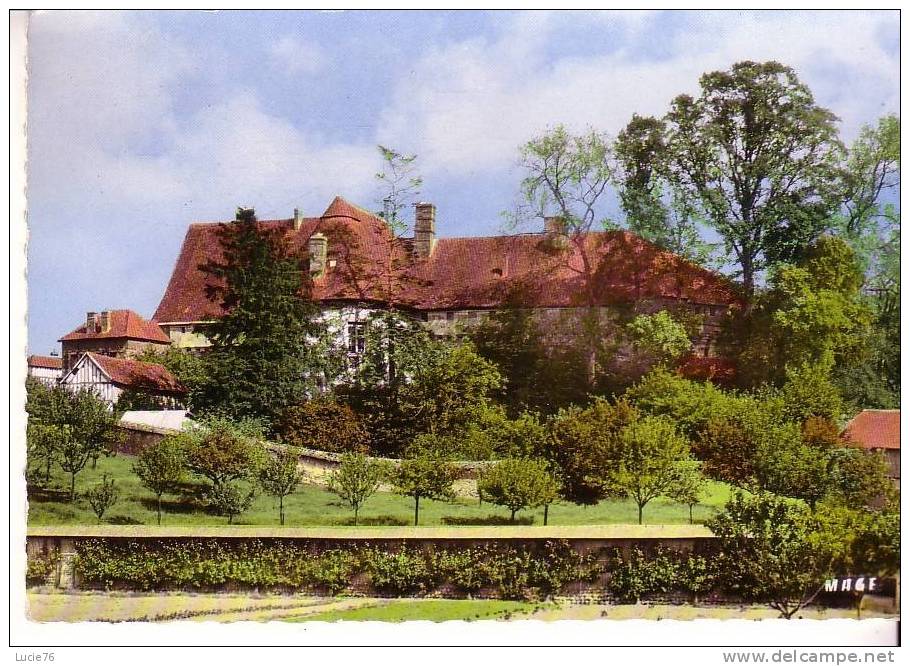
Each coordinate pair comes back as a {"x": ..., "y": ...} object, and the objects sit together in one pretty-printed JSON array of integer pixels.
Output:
[{"x": 141, "y": 123}]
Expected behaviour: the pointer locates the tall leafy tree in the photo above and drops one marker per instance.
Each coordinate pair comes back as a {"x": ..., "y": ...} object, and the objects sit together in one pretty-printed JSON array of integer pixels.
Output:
[
  {"x": 568, "y": 178},
  {"x": 357, "y": 479},
  {"x": 518, "y": 483},
  {"x": 655, "y": 208},
  {"x": 760, "y": 157},
  {"x": 160, "y": 467},
  {"x": 260, "y": 361},
  {"x": 279, "y": 477}
]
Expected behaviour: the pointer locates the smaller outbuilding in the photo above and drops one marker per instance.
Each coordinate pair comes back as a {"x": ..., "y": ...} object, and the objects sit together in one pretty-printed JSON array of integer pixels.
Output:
[
  {"x": 46, "y": 369},
  {"x": 878, "y": 430},
  {"x": 110, "y": 377}
]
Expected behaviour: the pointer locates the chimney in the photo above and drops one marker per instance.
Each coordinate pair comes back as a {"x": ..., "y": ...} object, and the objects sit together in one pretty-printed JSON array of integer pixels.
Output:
[
  {"x": 424, "y": 229},
  {"x": 298, "y": 219},
  {"x": 91, "y": 322},
  {"x": 555, "y": 229},
  {"x": 318, "y": 248},
  {"x": 554, "y": 225},
  {"x": 105, "y": 321}
]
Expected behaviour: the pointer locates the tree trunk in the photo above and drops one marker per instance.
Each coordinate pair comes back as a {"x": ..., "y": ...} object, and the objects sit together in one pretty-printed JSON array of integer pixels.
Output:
[
  {"x": 640, "y": 508},
  {"x": 47, "y": 472},
  {"x": 159, "y": 508},
  {"x": 72, "y": 486},
  {"x": 691, "y": 522},
  {"x": 512, "y": 517},
  {"x": 230, "y": 519},
  {"x": 281, "y": 508},
  {"x": 356, "y": 510},
  {"x": 416, "y": 508},
  {"x": 546, "y": 510}
]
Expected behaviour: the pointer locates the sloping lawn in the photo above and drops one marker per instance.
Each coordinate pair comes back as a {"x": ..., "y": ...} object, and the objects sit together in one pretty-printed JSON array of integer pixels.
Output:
[{"x": 312, "y": 505}]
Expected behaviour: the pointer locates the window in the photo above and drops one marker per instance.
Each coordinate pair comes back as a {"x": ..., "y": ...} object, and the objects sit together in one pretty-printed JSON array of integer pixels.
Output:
[{"x": 357, "y": 337}]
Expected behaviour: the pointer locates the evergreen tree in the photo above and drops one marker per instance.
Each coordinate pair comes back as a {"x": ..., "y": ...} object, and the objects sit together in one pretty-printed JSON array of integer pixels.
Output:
[{"x": 262, "y": 358}]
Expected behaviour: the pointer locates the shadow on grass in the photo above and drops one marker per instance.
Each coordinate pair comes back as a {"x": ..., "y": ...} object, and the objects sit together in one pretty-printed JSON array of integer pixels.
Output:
[
  {"x": 487, "y": 520},
  {"x": 183, "y": 506},
  {"x": 44, "y": 494},
  {"x": 392, "y": 521},
  {"x": 123, "y": 520}
]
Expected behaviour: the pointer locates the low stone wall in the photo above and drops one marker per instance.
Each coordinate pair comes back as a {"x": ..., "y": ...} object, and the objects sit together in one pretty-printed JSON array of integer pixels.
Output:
[{"x": 60, "y": 542}]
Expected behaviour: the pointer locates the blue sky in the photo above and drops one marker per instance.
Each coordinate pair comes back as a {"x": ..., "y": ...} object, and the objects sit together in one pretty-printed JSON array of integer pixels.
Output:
[{"x": 141, "y": 123}]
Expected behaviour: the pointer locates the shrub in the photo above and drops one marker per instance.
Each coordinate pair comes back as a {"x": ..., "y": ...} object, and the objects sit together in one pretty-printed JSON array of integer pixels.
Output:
[
  {"x": 405, "y": 572},
  {"x": 324, "y": 425},
  {"x": 640, "y": 574},
  {"x": 40, "y": 567},
  {"x": 102, "y": 497}
]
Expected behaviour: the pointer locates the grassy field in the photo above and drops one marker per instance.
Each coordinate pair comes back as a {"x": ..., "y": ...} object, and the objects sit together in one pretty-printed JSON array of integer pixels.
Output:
[
  {"x": 312, "y": 505},
  {"x": 162, "y": 607}
]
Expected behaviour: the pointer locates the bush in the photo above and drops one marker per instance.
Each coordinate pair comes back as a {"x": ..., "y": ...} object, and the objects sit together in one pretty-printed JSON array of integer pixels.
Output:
[
  {"x": 40, "y": 567},
  {"x": 640, "y": 574},
  {"x": 324, "y": 425},
  {"x": 516, "y": 572}
]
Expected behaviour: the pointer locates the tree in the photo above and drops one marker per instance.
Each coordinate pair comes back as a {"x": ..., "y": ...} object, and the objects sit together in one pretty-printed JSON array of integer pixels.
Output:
[
  {"x": 408, "y": 384},
  {"x": 222, "y": 450},
  {"x": 228, "y": 499},
  {"x": 323, "y": 424},
  {"x": 356, "y": 479},
  {"x": 280, "y": 477},
  {"x": 102, "y": 496},
  {"x": 776, "y": 550},
  {"x": 425, "y": 475},
  {"x": 645, "y": 461},
  {"x": 580, "y": 444},
  {"x": 518, "y": 483},
  {"x": 89, "y": 430},
  {"x": 860, "y": 478},
  {"x": 690, "y": 485},
  {"x": 785, "y": 465},
  {"x": 44, "y": 442},
  {"x": 260, "y": 361},
  {"x": 760, "y": 158},
  {"x": 811, "y": 313},
  {"x": 191, "y": 370},
  {"x": 660, "y": 337},
  {"x": 655, "y": 209},
  {"x": 160, "y": 467},
  {"x": 566, "y": 178}
]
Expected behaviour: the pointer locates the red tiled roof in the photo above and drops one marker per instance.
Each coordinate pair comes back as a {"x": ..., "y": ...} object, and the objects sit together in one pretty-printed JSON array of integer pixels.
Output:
[
  {"x": 463, "y": 273},
  {"x": 137, "y": 375},
  {"x": 123, "y": 324},
  {"x": 875, "y": 429},
  {"x": 52, "y": 362}
]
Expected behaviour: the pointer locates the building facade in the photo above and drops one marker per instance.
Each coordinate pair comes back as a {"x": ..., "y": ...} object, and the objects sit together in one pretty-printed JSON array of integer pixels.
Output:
[
  {"x": 109, "y": 377},
  {"x": 114, "y": 333},
  {"x": 46, "y": 369},
  {"x": 358, "y": 266},
  {"x": 878, "y": 430}
]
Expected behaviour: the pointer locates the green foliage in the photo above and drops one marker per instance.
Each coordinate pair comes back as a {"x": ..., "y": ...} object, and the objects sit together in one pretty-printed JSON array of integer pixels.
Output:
[
  {"x": 515, "y": 571},
  {"x": 777, "y": 550},
  {"x": 639, "y": 574},
  {"x": 41, "y": 567},
  {"x": 190, "y": 369},
  {"x": 222, "y": 450},
  {"x": 44, "y": 443},
  {"x": 260, "y": 361},
  {"x": 102, "y": 497},
  {"x": 690, "y": 485},
  {"x": 356, "y": 479},
  {"x": 408, "y": 384},
  {"x": 324, "y": 425},
  {"x": 581, "y": 444},
  {"x": 785, "y": 465},
  {"x": 645, "y": 460},
  {"x": 69, "y": 428},
  {"x": 491, "y": 434},
  {"x": 859, "y": 478},
  {"x": 426, "y": 475},
  {"x": 229, "y": 499},
  {"x": 401, "y": 184},
  {"x": 160, "y": 467},
  {"x": 760, "y": 158},
  {"x": 542, "y": 360},
  {"x": 518, "y": 483},
  {"x": 279, "y": 477},
  {"x": 659, "y": 336},
  {"x": 811, "y": 314}
]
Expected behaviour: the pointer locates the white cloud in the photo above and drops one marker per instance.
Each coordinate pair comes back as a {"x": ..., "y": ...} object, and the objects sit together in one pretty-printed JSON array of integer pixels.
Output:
[
  {"x": 469, "y": 105},
  {"x": 296, "y": 57}
]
